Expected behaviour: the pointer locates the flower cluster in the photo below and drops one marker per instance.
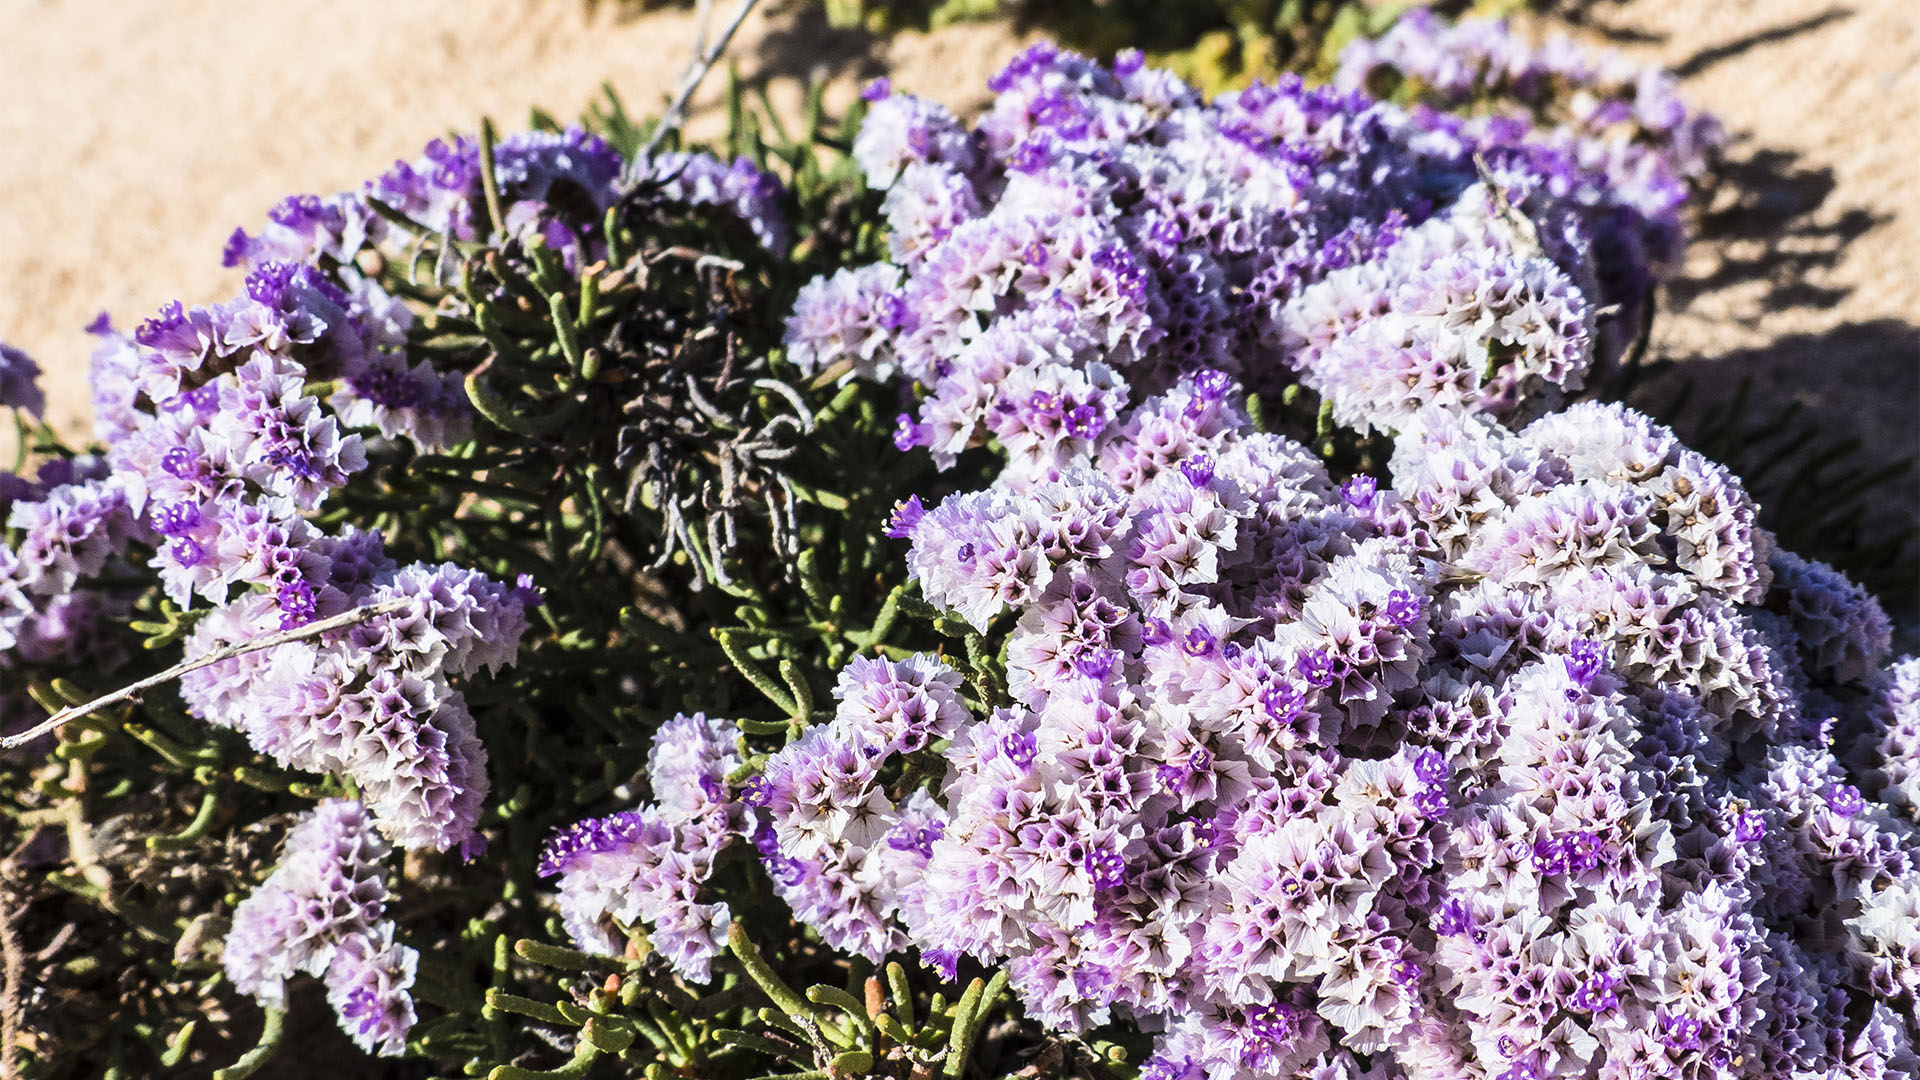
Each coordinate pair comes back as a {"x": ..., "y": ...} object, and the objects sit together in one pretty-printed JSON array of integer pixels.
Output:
[
  {"x": 321, "y": 913},
  {"x": 221, "y": 451},
  {"x": 249, "y": 455},
  {"x": 1453, "y": 64},
  {"x": 65, "y": 526},
  {"x": 1100, "y": 231},
  {"x": 1500, "y": 770},
  {"x": 647, "y": 865},
  {"x": 843, "y": 853},
  {"x": 220, "y": 446},
  {"x": 1533, "y": 758}
]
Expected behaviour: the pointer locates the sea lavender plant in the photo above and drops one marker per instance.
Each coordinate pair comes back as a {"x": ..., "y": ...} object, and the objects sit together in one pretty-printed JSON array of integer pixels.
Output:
[
  {"x": 1522, "y": 750},
  {"x": 1533, "y": 756},
  {"x": 450, "y": 407}
]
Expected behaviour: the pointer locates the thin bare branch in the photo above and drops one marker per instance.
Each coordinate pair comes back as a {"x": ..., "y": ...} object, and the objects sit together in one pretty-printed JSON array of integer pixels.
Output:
[
  {"x": 241, "y": 648},
  {"x": 704, "y": 57}
]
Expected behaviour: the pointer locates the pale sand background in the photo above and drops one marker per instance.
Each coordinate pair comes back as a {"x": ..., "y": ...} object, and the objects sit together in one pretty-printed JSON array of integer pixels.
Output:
[{"x": 134, "y": 136}]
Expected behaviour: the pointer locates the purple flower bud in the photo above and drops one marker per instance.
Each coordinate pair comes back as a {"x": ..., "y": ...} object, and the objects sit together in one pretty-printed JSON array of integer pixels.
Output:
[
  {"x": 1198, "y": 469},
  {"x": 1020, "y": 749},
  {"x": 906, "y": 515},
  {"x": 177, "y": 519},
  {"x": 1282, "y": 703},
  {"x": 1431, "y": 803},
  {"x": 1749, "y": 827},
  {"x": 1680, "y": 1031},
  {"x": 179, "y": 461},
  {"x": 1585, "y": 660},
  {"x": 756, "y": 791},
  {"x": 1033, "y": 155},
  {"x": 1085, "y": 422},
  {"x": 907, "y": 434},
  {"x": 1212, "y": 385},
  {"x": 944, "y": 961},
  {"x": 894, "y": 313},
  {"x": 1845, "y": 800},
  {"x": 1360, "y": 492},
  {"x": 1316, "y": 667},
  {"x": 1275, "y": 1024},
  {"x": 1402, "y": 608},
  {"x": 1597, "y": 995},
  {"x": 1198, "y": 642},
  {"x": 1096, "y": 664},
  {"x": 525, "y": 592},
  {"x": 1430, "y": 767},
  {"x": 1107, "y": 869},
  {"x": 1454, "y": 918},
  {"x": 297, "y": 607},
  {"x": 876, "y": 89},
  {"x": 187, "y": 552},
  {"x": 1156, "y": 632}
]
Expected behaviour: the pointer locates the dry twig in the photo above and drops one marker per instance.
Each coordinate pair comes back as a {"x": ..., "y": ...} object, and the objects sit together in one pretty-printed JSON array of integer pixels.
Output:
[
  {"x": 704, "y": 57},
  {"x": 127, "y": 693}
]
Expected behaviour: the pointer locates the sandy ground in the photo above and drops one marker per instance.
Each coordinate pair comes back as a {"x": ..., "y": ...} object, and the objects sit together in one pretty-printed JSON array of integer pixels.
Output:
[
  {"x": 1806, "y": 274},
  {"x": 135, "y": 136}
]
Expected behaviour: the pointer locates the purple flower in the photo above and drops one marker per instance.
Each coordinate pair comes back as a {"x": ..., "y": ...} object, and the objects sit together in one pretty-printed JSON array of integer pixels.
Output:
[
  {"x": 1316, "y": 667},
  {"x": 1107, "y": 869},
  {"x": 1586, "y": 659},
  {"x": 1021, "y": 749},
  {"x": 1431, "y": 767},
  {"x": 1680, "y": 1031},
  {"x": 1198, "y": 469},
  {"x": 1845, "y": 800},
  {"x": 1596, "y": 995}
]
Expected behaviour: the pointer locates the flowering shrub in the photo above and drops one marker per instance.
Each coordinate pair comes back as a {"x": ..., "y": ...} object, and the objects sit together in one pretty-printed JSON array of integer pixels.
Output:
[
  {"x": 448, "y": 410},
  {"x": 1258, "y": 654},
  {"x": 1530, "y": 757}
]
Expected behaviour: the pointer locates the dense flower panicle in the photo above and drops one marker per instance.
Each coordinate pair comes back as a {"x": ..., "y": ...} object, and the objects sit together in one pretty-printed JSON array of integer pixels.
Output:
[
  {"x": 372, "y": 701},
  {"x": 1529, "y": 764},
  {"x": 1100, "y": 232},
  {"x": 217, "y": 453},
  {"x": 1474, "y": 58},
  {"x": 844, "y": 318},
  {"x": 64, "y": 527},
  {"x": 1840, "y": 632},
  {"x": 840, "y": 851},
  {"x": 368, "y": 986},
  {"x": 742, "y": 189},
  {"x": 321, "y": 913},
  {"x": 647, "y": 865}
]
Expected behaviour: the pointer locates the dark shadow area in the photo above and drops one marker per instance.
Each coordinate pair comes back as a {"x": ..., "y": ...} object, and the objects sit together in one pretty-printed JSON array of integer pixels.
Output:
[
  {"x": 1706, "y": 58},
  {"x": 1768, "y": 198},
  {"x": 804, "y": 44},
  {"x": 1825, "y": 431},
  {"x": 1584, "y": 14}
]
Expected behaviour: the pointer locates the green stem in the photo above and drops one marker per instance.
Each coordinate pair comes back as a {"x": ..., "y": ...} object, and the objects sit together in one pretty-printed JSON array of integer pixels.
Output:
[{"x": 270, "y": 1031}]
